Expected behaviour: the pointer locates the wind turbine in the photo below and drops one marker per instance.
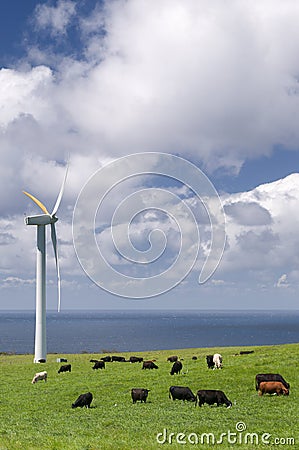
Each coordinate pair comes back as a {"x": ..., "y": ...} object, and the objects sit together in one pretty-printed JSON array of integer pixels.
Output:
[{"x": 40, "y": 350}]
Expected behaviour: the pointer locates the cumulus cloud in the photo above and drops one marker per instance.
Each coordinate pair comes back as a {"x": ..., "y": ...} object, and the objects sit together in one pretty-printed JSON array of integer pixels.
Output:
[
  {"x": 248, "y": 213},
  {"x": 175, "y": 78},
  {"x": 23, "y": 94},
  {"x": 263, "y": 245},
  {"x": 56, "y": 18}
]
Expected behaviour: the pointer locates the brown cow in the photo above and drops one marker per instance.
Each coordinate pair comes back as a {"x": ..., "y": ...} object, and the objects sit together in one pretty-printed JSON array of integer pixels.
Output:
[
  {"x": 172, "y": 358},
  {"x": 272, "y": 387},
  {"x": 149, "y": 365}
]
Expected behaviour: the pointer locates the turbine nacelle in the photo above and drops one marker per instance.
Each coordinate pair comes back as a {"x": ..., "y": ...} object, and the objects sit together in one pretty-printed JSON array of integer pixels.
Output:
[
  {"x": 48, "y": 219},
  {"x": 43, "y": 219}
]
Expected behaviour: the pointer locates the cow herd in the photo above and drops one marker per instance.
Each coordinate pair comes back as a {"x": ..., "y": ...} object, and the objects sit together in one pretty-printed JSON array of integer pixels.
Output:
[{"x": 270, "y": 383}]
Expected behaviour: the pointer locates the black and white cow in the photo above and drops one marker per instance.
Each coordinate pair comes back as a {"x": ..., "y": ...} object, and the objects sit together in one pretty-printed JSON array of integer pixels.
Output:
[
  {"x": 181, "y": 393},
  {"x": 214, "y": 361},
  {"x": 83, "y": 400},
  {"x": 139, "y": 394},
  {"x": 210, "y": 397}
]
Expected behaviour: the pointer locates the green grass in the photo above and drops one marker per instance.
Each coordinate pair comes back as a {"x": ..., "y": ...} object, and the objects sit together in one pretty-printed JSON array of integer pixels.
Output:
[{"x": 40, "y": 416}]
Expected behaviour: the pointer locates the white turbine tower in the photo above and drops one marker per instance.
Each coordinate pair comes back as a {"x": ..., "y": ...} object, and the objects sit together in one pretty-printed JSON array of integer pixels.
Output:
[{"x": 40, "y": 351}]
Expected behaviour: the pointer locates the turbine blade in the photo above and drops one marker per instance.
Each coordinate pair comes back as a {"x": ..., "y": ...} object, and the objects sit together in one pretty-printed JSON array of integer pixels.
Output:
[
  {"x": 55, "y": 209},
  {"x": 54, "y": 242},
  {"x": 40, "y": 204}
]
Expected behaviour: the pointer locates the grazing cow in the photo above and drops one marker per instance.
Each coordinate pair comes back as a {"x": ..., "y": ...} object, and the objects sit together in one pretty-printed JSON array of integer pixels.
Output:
[
  {"x": 212, "y": 396},
  {"x": 106, "y": 358},
  {"x": 176, "y": 368},
  {"x": 210, "y": 361},
  {"x": 217, "y": 360},
  {"x": 39, "y": 376},
  {"x": 119, "y": 358},
  {"x": 61, "y": 360},
  {"x": 246, "y": 352},
  {"x": 270, "y": 377},
  {"x": 172, "y": 358},
  {"x": 272, "y": 387},
  {"x": 149, "y": 365},
  {"x": 134, "y": 359},
  {"x": 139, "y": 394},
  {"x": 99, "y": 365},
  {"x": 83, "y": 400},
  {"x": 181, "y": 393},
  {"x": 65, "y": 368},
  {"x": 194, "y": 358}
]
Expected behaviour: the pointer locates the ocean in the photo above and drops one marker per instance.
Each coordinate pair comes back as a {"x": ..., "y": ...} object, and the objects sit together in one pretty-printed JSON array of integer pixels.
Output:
[{"x": 133, "y": 331}]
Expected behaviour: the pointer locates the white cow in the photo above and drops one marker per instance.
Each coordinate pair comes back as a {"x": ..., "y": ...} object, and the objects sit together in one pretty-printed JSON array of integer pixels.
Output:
[
  {"x": 39, "y": 376},
  {"x": 217, "y": 360}
]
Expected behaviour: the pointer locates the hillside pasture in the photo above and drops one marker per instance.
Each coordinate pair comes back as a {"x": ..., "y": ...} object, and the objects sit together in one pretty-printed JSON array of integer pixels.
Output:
[{"x": 39, "y": 416}]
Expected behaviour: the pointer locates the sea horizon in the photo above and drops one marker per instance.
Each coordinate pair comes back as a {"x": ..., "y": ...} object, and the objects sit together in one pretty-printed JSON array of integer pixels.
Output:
[{"x": 108, "y": 331}]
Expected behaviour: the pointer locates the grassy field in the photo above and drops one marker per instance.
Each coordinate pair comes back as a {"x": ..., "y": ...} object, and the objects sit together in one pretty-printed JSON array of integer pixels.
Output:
[{"x": 40, "y": 416}]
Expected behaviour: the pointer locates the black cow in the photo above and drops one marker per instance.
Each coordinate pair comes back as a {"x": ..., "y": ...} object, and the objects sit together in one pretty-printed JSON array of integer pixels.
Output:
[
  {"x": 176, "y": 368},
  {"x": 270, "y": 377},
  {"x": 83, "y": 400},
  {"x": 194, "y": 358},
  {"x": 93, "y": 360},
  {"x": 65, "y": 368},
  {"x": 106, "y": 358},
  {"x": 139, "y": 394},
  {"x": 119, "y": 358},
  {"x": 99, "y": 365},
  {"x": 210, "y": 361},
  {"x": 172, "y": 358},
  {"x": 212, "y": 396},
  {"x": 134, "y": 359},
  {"x": 149, "y": 365},
  {"x": 181, "y": 393}
]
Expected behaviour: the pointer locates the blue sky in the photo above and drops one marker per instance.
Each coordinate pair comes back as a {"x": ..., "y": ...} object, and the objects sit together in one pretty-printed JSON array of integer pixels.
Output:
[{"x": 94, "y": 81}]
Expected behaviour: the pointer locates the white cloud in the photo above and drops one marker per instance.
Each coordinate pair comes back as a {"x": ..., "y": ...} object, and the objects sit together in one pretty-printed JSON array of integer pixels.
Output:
[
  {"x": 23, "y": 94},
  {"x": 263, "y": 247},
  {"x": 57, "y": 18},
  {"x": 12, "y": 282},
  {"x": 179, "y": 78},
  {"x": 282, "y": 281},
  {"x": 248, "y": 213}
]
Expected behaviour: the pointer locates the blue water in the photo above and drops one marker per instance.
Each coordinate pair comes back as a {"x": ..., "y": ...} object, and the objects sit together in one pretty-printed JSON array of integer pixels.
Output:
[{"x": 120, "y": 331}]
